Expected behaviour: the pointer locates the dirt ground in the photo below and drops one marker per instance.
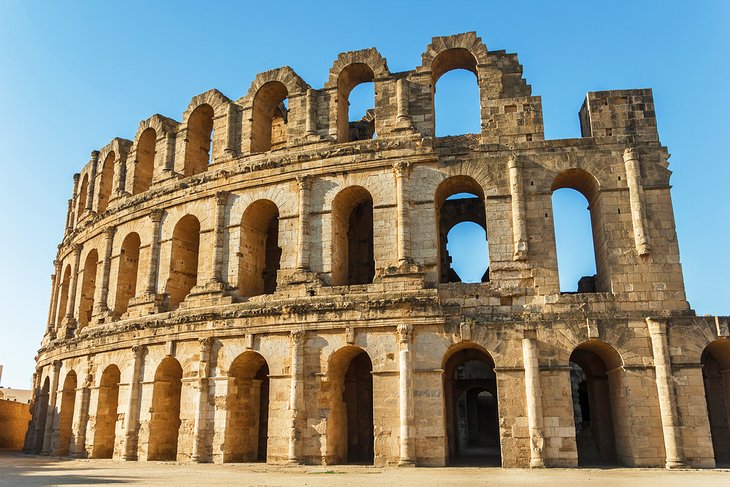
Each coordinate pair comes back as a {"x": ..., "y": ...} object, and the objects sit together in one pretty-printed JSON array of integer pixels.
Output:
[{"x": 25, "y": 470}]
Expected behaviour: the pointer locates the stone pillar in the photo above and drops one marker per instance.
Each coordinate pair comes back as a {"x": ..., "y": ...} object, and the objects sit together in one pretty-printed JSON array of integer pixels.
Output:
[
  {"x": 296, "y": 394},
  {"x": 201, "y": 405},
  {"x": 92, "y": 181},
  {"x": 81, "y": 411},
  {"x": 403, "y": 118},
  {"x": 156, "y": 217},
  {"x": 221, "y": 199},
  {"x": 102, "y": 306},
  {"x": 56, "y": 279},
  {"x": 665, "y": 390},
  {"x": 51, "y": 414},
  {"x": 75, "y": 203},
  {"x": 534, "y": 398},
  {"x": 169, "y": 156},
  {"x": 407, "y": 418},
  {"x": 403, "y": 202},
  {"x": 231, "y": 123},
  {"x": 120, "y": 176},
  {"x": 636, "y": 199},
  {"x": 69, "y": 216},
  {"x": 519, "y": 220},
  {"x": 131, "y": 416},
  {"x": 303, "y": 247},
  {"x": 69, "y": 320},
  {"x": 311, "y": 121}
]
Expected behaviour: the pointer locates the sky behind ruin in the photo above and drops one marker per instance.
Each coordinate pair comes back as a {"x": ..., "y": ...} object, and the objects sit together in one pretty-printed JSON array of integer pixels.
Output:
[{"x": 74, "y": 75}]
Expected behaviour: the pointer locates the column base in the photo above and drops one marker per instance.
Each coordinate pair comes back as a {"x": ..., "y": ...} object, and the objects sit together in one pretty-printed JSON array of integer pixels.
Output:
[
  {"x": 406, "y": 463},
  {"x": 672, "y": 465},
  {"x": 537, "y": 463}
]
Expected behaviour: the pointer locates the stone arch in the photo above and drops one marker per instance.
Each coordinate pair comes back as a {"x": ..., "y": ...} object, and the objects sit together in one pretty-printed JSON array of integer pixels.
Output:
[
  {"x": 110, "y": 172},
  {"x": 451, "y": 212},
  {"x": 128, "y": 268},
  {"x": 716, "y": 377},
  {"x": 350, "y": 431},
  {"x": 184, "y": 257},
  {"x": 470, "y": 405},
  {"x": 106, "y": 413},
  {"x": 247, "y": 412},
  {"x": 352, "y": 237},
  {"x": 83, "y": 195},
  {"x": 66, "y": 414},
  {"x": 150, "y": 155},
  {"x": 460, "y": 51},
  {"x": 588, "y": 185},
  {"x": 88, "y": 288},
  {"x": 42, "y": 415},
  {"x": 106, "y": 181},
  {"x": 205, "y": 123},
  {"x": 63, "y": 295},
  {"x": 259, "y": 251},
  {"x": 596, "y": 382},
  {"x": 145, "y": 162},
  {"x": 165, "y": 412}
]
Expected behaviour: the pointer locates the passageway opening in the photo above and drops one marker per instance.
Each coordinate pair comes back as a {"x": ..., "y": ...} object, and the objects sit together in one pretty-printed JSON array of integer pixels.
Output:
[
  {"x": 66, "y": 414},
  {"x": 127, "y": 275},
  {"x": 353, "y": 259},
  {"x": 716, "y": 376},
  {"x": 106, "y": 413},
  {"x": 183, "y": 260},
  {"x": 165, "y": 411},
  {"x": 260, "y": 254},
  {"x": 355, "y": 103},
  {"x": 199, "y": 140},
  {"x": 269, "y": 130},
  {"x": 88, "y": 288},
  {"x": 145, "y": 161},
  {"x": 455, "y": 87}
]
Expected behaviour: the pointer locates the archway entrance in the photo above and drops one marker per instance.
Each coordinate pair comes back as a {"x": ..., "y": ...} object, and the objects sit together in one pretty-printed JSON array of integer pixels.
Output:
[
  {"x": 472, "y": 416},
  {"x": 106, "y": 413},
  {"x": 592, "y": 390},
  {"x": 351, "y": 417},
  {"x": 716, "y": 376},
  {"x": 248, "y": 409},
  {"x": 165, "y": 420},
  {"x": 42, "y": 415},
  {"x": 66, "y": 415}
]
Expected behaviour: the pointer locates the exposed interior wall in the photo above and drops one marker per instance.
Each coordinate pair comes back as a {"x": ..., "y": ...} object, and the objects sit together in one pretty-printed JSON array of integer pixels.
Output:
[
  {"x": 106, "y": 413},
  {"x": 165, "y": 411},
  {"x": 268, "y": 130},
  {"x": 199, "y": 136},
  {"x": 88, "y": 289},
  {"x": 106, "y": 182},
  {"x": 352, "y": 237},
  {"x": 259, "y": 254},
  {"x": 144, "y": 167},
  {"x": 183, "y": 259}
]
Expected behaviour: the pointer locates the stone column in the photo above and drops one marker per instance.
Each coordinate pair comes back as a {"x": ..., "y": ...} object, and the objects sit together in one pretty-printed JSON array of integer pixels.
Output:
[
  {"x": 403, "y": 201},
  {"x": 156, "y": 217},
  {"x": 534, "y": 398},
  {"x": 665, "y": 390},
  {"x": 71, "y": 303},
  {"x": 92, "y": 181},
  {"x": 636, "y": 199},
  {"x": 407, "y": 418},
  {"x": 56, "y": 279},
  {"x": 81, "y": 411},
  {"x": 201, "y": 405},
  {"x": 311, "y": 121},
  {"x": 169, "y": 156},
  {"x": 221, "y": 199},
  {"x": 296, "y": 394},
  {"x": 75, "y": 204},
  {"x": 403, "y": 118},
  {"x": 231, "y": 123},
  {"x": 519, "y": 220},
  {"x": 69, "y": 216},
  {"x": 120, "y": 176},
  {"x": 303, "y": 250},
  {"x": 131, "y": 416},
  {"x": 51, "y": 414},
  {"x": 102, "y": 306}
]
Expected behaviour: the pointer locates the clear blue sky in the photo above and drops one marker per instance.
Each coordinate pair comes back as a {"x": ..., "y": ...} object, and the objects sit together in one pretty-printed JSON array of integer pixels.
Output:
[{"x": 73, "y": 75}]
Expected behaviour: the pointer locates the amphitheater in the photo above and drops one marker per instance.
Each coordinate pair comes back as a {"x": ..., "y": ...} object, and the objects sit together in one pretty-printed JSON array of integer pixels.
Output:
[{"x": 268, "y": 281}]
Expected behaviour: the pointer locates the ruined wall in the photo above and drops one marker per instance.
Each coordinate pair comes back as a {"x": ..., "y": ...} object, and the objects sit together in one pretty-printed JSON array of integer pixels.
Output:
[{"x": 14, "y": 419}]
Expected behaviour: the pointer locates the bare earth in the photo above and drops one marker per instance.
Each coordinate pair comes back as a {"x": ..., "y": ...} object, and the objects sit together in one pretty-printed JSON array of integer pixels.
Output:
[{"x": 24, "y": 470}]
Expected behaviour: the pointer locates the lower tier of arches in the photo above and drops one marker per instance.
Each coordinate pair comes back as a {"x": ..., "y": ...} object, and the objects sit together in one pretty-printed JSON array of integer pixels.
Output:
[{"x": 487, "y": 394}]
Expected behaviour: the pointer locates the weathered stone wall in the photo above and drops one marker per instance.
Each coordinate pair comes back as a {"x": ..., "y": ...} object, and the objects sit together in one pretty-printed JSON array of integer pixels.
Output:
[{"x": 14, "y": 419}]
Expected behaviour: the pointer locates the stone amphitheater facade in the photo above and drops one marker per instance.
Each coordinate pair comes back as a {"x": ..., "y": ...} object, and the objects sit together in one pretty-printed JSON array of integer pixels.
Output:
[{"x": 269, "y": 282}]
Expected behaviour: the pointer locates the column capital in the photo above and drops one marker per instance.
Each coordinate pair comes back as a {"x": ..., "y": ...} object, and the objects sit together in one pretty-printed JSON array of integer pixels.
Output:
[
  {"x": 630, "y": 154},
  {"x": 405, "y": 332},
  {"x": 657, "y": 326},
  {"x": 56, "y": 364},
  {"x": 305, "y": 182},
  {"x": 76, "y": 177},
  {"x": 221, "y": 197},
  {"x": 77, "y": 250},
  {"x": 513, "y": 161},
  {"x": 206, "y": 343},
  {"x": 401, "y": 168},
  {"x": 156, "y": 214},
  {"x": 297, "y": 337},
  {"x": 110, "y": 231}
]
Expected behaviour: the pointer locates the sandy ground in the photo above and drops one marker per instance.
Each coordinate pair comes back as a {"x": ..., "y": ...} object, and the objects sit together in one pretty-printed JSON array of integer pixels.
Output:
[{"x": 24, "y": 470}]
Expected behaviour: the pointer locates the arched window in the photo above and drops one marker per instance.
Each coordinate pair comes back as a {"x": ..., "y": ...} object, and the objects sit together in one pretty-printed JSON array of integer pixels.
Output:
[
  {"x": 199, "y": 137},
  {"x": 127, "y": 275},
  {"x": 356, "y": 87},
  {"x": 63, "y": 296},
  {"x": 183, "y": 260},
  {"x": 88, "y": 288},
  {"x": 165, "y": 411},
  {"x": 353, "y": 259},
  {"x": 462, "y": 225},
  {"x": 455, "y": 87},
  {"x": 106, "y": 182},
  {"x": 260, "y": 253},
  {"x": 83, "y": 195},
  {"x": 106, "y": 413},
  {"x": 581, "y": 251},
  {"x": 145, "y": 161},
  {"x": 270, "y": 117}
]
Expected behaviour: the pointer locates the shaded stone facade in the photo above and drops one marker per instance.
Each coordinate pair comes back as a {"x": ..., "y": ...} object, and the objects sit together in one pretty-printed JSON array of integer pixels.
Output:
[{"x": 263, "y": 281}]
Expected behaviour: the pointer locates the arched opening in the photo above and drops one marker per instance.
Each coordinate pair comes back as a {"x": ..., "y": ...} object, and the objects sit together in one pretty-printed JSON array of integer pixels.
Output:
[
  {"x": 351, "y": 410},
  {"x": 460, "y": 199},
  {"x": 260, "y": 254},
  {"x": 270, "y": 117},
  {"x": 716, "y": 376},
  {"x": 42, "y": 415},
  {"x": 355, "y": 103},
  {"x": 472, "y": 415},
  {"x": 66, "y": 414},
  {"x": 88, "y": 288},
  {"x": 165, "y": 411},
  {"x": 199, "y": 137},
  {"x": 183, "y": 260},
  {"x": 127, "y": 275},
  {"x": 63, "y": 295},
  {"x": 581, "y": 252},
  {"x": 83, "y": 195},
  {"x": 457, "y": 103},
  {"x": 594, "y": 384},
  {"x": 248, "y": 409},
  {"x": 106, "y": 182},
  {"x": 353, "y": 259},
  {"x": 145, "y": 161},
  {"x": 106, "y": 413}
]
